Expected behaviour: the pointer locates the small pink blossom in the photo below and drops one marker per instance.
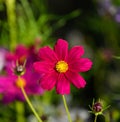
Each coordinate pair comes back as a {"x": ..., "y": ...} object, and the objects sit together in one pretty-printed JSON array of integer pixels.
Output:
[
  {"x": 60, "y": 67},
  {"x": 10, "y": 83},
  {"x": 11, "y": 91}
]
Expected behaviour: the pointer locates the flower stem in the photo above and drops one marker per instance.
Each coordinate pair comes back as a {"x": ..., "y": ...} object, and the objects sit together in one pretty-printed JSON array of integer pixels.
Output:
[
  {"x": 20, "y": 111},
  {"x": 116, "y": 57},
  {"x": 95, "y": 120},
  {"x": 30, "y": 104},
  {"x": 11, "y": 16},
  {"x": 66, "y": 108}
]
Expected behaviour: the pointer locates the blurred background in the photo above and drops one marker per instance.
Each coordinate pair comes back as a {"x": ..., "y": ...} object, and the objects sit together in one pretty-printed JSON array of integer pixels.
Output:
[{"x": 95, "y": 24}]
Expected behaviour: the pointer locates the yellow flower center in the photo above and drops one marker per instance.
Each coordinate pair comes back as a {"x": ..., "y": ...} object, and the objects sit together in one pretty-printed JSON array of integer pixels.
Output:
[
  {"x": 61, "y": 66},
  {"x": 20, "y": 82}
]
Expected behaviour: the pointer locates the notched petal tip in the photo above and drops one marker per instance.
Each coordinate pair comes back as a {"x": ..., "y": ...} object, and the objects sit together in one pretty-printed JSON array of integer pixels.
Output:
[
  {"x": 85, "y": 64},
  {"x": 75, "y": 53},
  {"x": 46, "y": 53},
  {"x": 61, "y": 49},
  {"x": 76, "y": 79},
  {"x": 61, "y": 41}
]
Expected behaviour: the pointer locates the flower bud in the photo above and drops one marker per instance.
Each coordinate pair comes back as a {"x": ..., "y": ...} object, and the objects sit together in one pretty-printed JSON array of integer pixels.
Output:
[
  {"x": 19, "y": 70},
  {"x": 97, "y": 107}
]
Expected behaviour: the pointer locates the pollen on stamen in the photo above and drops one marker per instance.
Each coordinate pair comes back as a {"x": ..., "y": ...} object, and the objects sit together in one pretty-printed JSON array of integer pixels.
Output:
[
  {"x": 20, "y": 82},
  {"x": 61, "y": 66}
]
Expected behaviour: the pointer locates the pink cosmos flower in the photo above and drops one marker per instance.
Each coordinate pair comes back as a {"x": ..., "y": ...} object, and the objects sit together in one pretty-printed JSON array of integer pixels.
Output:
[
  {"x": 10, "y": 83},
  {"x": 21, "y": 54},
  {"x": 60, "y": 67},
  {"x": 10, "y": 86}
]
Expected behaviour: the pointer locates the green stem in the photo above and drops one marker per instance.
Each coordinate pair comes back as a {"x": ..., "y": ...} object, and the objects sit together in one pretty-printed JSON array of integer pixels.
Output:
[
  {"x": 30, "y": 104},
  {"x": 95, "y": 120},
  {"x": 20, "y": 111},
  {"x": 30, "y": 16},
  {"x": 116, "y": 57},
  {"x": 11, "y": 15},
  {"x": 66, "y": 108}
]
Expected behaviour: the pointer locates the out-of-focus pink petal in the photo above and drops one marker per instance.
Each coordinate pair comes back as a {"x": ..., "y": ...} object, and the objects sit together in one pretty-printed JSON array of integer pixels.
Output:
[
  {"x": 61, "y": 49},
  {"x": 46, "y": 53},
  {"x": 10, "y": 57},
  {"x": 6, "y": 84},
  {"x": 21, "y": 50},
  {"x": 32, "y": 83},
  {"x": 76, "y": 79},
  {"x": 75, "y": 53},
  {"x": 43, "y": 67},
  {"x": 48, "y": 81},
  {"x": 80, "y": 65},
  {"x": 2, "y": 84},
  {"x": 63, "y": 85}
]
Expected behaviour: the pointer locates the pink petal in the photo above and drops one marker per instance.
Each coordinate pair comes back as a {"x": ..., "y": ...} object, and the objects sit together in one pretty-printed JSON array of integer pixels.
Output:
[
  {"x": 76, "y": 79},
  {"x": 48, "y": 81},
  {"x": 46, "y": 53},
  {"x": 21, "y": 50},
  {"x": 63, "y": 85},
  {"x": 43, "y": 67},
  {"x": 3, "y": 84},
  {"x": 6, "y": 84},
  {"x": 32, "y": 82},
  {"x": 82, "y": 65},
  {"x": 75, "y": 53},
  {"x": 61, "y": 49}
]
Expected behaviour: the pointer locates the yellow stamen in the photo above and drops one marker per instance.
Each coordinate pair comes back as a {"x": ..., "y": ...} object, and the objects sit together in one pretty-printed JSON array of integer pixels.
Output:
[
  {"x": 61, "y": 66},
  {"x": 20, "y": 82}
]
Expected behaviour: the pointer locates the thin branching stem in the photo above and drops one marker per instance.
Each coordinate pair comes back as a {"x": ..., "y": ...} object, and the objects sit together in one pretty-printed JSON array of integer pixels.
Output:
[{"x": 30, "y": 105}]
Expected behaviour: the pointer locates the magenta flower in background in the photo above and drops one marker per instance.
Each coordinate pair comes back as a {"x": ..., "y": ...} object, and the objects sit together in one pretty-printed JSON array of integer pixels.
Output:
[
  {"x": 10, "y": 83},
  {"x": 10, "y": 86},
  {"x": 60, "y": 67},
  {"x": 21, "y": 54}
]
